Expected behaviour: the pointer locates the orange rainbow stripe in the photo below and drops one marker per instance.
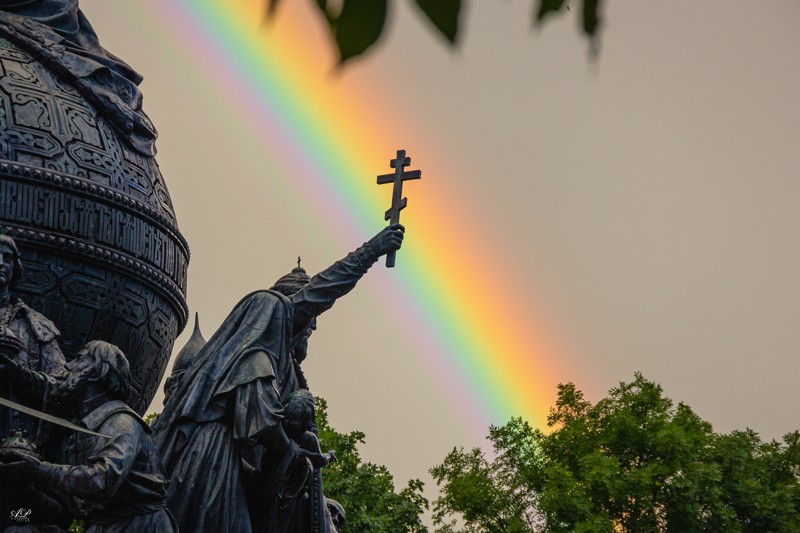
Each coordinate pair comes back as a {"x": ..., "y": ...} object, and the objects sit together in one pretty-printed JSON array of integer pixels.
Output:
[{"x": 475, "y": 334}]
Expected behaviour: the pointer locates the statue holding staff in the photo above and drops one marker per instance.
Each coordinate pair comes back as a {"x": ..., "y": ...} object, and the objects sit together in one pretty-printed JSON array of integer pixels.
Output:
[{"x": 228, "y": 405}]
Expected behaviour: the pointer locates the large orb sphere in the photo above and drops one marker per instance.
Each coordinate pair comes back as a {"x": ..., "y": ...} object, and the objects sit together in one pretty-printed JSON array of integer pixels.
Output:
[{"x": 97, "y": 233}]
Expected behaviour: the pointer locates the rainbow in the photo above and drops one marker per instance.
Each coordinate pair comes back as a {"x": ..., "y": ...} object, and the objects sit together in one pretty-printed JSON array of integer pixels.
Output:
[{"x": 474, "y": 334}]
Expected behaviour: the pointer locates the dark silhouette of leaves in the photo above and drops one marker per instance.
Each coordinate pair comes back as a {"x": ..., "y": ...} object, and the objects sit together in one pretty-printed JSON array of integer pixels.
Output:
[
  {"x": 444, "y": 14},
  {"x": 546, "y": 7},
  {"x": 358, "y": 26},
  {"x": 591, "y": 20}
]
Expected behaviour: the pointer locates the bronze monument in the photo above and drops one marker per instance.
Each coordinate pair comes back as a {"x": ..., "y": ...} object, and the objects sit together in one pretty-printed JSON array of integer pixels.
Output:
[
  {"x": 81, "y": 193},
  {"x": 227, "y": 408},
  {"x": 120, "y": 485},
  {"x": 83, "y": 199}
]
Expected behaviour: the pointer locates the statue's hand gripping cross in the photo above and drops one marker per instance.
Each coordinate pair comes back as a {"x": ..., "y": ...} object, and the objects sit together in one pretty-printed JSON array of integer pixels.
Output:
[{"x": 398, "y": 202}]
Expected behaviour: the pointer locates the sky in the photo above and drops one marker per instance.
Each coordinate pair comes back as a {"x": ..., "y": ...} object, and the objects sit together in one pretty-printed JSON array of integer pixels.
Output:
[{"x": 577, "y": 220}]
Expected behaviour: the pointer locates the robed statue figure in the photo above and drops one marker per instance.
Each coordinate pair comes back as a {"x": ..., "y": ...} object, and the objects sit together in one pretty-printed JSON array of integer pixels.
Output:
[
  {"x": 120, "y": 486},
  {"x": 223, "y": 418}
]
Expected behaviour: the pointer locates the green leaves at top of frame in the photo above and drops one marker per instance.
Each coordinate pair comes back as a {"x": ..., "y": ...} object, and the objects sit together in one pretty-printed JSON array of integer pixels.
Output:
[
  {"x": 591, "y": 19},
  {"x": 360, "y": 23},
  {"x": 356, "y": 25},
  {"x": 547, "y": 7},
  {"x": 444, "y": 14}
]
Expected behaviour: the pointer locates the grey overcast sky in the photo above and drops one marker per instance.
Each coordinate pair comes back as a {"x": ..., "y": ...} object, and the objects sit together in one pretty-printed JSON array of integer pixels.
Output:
[{"x": 646, "y": 201}]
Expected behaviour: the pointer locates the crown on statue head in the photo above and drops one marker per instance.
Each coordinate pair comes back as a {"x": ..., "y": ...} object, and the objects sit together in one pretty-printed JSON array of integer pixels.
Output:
[{"x": 292, "y": 282}]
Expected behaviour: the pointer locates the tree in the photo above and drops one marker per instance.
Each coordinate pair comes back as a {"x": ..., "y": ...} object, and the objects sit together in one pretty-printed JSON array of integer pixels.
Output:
[
  {"x": 356, "y": 25},
  {"x": 631, "y": 462},
  {"x": 365, "y": 490}
]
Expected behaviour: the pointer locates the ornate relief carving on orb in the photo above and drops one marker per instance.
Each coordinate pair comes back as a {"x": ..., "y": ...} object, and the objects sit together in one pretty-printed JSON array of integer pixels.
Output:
[{"x": 103, "y": 255}]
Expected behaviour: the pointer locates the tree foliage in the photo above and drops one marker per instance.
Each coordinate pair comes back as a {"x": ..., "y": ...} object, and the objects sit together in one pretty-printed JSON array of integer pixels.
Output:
[
  {"x": 357, "y": 25},
  {"x": 633, "y": 461},
  {"x": 365, "y": 490}
]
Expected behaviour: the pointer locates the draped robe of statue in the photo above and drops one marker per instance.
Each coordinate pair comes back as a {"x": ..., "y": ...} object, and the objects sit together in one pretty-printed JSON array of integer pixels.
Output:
[
  {"x": 232, "y": 396},
  {"x": 59, "y": 34}
]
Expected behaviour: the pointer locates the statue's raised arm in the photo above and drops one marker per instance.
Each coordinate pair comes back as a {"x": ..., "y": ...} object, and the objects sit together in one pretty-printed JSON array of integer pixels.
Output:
[
  {"x": 222, "y": 425},
  {"x": 338, "y": 279}
]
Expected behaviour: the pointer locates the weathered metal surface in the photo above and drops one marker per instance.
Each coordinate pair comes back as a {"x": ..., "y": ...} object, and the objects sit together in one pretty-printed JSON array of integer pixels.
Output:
[{"x": 93, "y": 219}]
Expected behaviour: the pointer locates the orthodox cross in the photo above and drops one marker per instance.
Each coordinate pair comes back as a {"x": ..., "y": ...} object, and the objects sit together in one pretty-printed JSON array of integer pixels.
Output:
[{"x": 398, "y": 202}]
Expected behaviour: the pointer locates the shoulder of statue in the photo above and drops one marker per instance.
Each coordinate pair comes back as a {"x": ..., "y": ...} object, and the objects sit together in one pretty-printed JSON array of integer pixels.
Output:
[
  {"x": 280, "y": 296},
  {"x": 98, "y": 418},
  {"x": 18, "y": 26},
  {"x": 252, "y": 365},
  {"x": 43, "y": 329}
]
